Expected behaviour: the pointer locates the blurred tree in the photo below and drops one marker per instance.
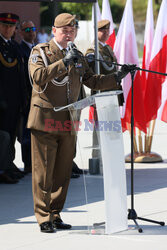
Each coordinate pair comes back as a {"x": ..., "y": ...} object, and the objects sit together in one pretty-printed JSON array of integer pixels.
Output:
[
  {"x": 83, "y": 11},
  {"x": 48, "y": 11}
]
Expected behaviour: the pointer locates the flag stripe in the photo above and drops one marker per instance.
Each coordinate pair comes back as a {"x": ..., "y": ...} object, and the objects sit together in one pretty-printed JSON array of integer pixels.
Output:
[
  {"x": 106, "y": 14},
  {"x": 111, "y": 40},
  {"x": 155, "y": 81},
  {"x": 126, "y": 52}
]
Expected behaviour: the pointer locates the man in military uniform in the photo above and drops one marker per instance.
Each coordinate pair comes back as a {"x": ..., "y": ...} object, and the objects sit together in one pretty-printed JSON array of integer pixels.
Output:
[
  {"x": 107, "y": 57},
  {"x": 57, "y": 73},
  {"x": 11, "y": 79},
  {"x": 28, "y": 34},
  {"x": 106, "y": 54}
]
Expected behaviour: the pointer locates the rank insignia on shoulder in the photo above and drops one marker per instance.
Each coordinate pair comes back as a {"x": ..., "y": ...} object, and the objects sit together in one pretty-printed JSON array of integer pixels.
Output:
[{"x": 34, "y": 58}]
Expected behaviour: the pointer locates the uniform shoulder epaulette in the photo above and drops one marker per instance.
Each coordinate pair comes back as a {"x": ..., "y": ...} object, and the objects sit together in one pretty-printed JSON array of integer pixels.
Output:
[
  {"x": 42, "y": 45},
  {"x": 92, "y": 46}
]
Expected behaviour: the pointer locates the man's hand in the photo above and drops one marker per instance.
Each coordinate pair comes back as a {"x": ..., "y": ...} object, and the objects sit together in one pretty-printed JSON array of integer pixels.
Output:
[
  {"x": 72, "y": 56},
  {"x": 125, "y": 69}
]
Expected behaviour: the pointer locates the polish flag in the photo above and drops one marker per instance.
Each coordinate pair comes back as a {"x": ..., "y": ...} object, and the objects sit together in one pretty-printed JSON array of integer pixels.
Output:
[
  {"x": 126, "y": 52},
  {"x": 162, "y": 111},
  {"x": 148, "y": 41},
  {"x": 156, "y": 83},
  {"x": 106, "y": 14}
]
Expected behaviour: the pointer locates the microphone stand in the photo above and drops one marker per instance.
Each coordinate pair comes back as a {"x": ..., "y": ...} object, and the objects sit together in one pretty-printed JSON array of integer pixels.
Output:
[{"x": 132, "y": 215}]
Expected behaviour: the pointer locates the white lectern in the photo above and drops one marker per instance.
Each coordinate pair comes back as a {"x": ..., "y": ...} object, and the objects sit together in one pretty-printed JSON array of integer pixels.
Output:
[{"x": 112, "y": 153}]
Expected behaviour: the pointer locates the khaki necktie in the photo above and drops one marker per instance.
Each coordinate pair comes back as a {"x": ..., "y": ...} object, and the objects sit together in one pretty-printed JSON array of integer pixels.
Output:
[{"x": 64, "y": 51}]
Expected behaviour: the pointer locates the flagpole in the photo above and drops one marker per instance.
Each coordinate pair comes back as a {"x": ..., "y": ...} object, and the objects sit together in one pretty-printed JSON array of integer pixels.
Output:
[
  {"x": 140, "y": 141},
  {"x": 151, "y": 135},
  {"x": 97, "y": 62}
]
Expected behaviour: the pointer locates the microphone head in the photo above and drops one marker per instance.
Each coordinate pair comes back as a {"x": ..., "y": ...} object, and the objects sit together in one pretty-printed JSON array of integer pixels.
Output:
[{"x": 70, "y": 44}]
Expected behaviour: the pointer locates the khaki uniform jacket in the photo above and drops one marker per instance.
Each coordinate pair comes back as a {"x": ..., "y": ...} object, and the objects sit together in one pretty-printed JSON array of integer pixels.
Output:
[
  {"x": 105, "y": 53},
  {"x": 106, "y": 56},
  {"x": 49, "y": 95}
]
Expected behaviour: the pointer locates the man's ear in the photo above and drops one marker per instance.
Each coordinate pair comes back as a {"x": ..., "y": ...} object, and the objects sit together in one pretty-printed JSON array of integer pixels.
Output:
[{"x": 53, "y": 30}]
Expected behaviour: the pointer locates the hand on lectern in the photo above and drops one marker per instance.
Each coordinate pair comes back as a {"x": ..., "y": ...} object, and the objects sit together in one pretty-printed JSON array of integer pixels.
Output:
[{"x": 125, "y": 69}]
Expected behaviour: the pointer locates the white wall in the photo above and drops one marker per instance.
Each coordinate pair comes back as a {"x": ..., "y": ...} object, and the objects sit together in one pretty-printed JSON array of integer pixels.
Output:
[{"x": 85, "y": 35}]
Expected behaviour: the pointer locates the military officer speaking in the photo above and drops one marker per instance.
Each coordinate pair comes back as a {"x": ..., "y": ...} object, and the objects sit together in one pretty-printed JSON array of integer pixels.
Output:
[{"x": 57, "y": 73}]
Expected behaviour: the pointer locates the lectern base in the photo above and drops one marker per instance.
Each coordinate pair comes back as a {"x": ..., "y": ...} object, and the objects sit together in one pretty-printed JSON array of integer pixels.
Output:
[{"x": 144, "y": 158}]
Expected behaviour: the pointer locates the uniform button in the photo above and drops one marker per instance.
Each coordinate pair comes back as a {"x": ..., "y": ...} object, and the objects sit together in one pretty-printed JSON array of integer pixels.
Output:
[{"x": 60, "y": 71}]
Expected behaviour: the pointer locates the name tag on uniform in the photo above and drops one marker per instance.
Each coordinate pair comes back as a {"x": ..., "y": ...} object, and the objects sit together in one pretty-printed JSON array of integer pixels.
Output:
[{"x": 78, "y": 65}]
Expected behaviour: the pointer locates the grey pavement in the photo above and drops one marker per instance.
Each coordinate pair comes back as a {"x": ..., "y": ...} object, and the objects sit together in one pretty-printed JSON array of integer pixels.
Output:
[{"x": 85, "y": 206}]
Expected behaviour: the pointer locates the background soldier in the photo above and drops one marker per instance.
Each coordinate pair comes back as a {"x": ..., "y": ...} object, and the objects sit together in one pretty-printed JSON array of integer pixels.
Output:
[
  {"x": 28, "y": 33},
  {"x": 11, "y": 81},
  {"x": 107, "y": 57}
]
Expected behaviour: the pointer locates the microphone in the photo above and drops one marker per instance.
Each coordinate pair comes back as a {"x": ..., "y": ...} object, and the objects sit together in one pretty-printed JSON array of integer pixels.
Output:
[{"x": 71, "y": 46}]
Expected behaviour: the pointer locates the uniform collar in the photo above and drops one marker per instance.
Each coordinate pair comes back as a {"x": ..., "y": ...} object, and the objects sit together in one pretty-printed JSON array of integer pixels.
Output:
[
  {"x": 58, "y": 45},
  {"x": 30, "y": 45},
  {"x": 103, "y": 44},
  {"x": 4, "y": 38}
]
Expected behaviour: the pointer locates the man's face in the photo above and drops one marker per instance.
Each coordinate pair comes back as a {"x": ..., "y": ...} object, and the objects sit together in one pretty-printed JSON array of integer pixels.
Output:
[
  {"x": 103, "y": 35},
  {"x": 64, "y": 34},
  {"x": 28, "y": 31},
  {"x": 7, "y": 30}
]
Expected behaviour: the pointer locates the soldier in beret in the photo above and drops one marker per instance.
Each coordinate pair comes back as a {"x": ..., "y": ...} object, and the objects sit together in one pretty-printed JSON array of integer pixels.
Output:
[
  {"x": 107, "y": 57},
  {"x": 11, "y": 81},
  {"x": 106, "y": 53},
  {"x": 57, "y": 73}
]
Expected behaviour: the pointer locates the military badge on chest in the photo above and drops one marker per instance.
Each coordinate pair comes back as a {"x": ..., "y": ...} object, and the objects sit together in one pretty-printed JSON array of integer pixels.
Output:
[{"x": 78, "y": 67}]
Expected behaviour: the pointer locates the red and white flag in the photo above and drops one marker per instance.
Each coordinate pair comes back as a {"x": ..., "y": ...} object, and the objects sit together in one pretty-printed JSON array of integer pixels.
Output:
[
  {"x": 148, "y": 41},
  {"x": 156, "y": 83},
  {"x": 126, "y": 52},
  {"x": 162, "y": 111},
  {"x": 106, "y": 14}
]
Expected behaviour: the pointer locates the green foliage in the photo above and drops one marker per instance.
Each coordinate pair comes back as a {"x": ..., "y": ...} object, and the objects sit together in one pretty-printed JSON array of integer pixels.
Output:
[{"x": 83, "y": 11}]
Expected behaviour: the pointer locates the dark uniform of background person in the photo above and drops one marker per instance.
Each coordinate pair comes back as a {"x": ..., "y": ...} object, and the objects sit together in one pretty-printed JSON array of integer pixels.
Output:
[
  {"x": 57, "y": 76},
  {"x": 5, "y": 152},
  {"x": 28, "y": 34},
  {"x": 107, "y": 57},
  {"x": 12, "y": 82}
]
